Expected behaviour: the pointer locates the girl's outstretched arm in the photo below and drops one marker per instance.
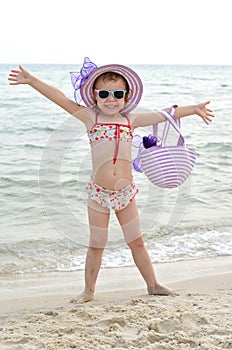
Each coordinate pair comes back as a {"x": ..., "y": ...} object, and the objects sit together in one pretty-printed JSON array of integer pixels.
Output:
[
  {"x": 21, "y": 76},
  {"x": 150, "y": 118},
  {"x": 201, "y": 109}
]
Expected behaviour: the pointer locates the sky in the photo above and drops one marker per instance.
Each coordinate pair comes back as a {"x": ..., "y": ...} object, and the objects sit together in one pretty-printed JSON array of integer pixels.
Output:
[{"x": 116, "y": 31}]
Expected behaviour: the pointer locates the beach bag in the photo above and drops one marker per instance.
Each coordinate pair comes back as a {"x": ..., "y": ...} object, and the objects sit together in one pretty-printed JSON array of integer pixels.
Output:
[{"x": 166, "y": 166}]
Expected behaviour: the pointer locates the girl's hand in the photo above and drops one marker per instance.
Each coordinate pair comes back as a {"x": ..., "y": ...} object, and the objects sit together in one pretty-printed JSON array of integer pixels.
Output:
[
  {"x": 204, "y": 112},
  {"x": 20, "y": 76}
]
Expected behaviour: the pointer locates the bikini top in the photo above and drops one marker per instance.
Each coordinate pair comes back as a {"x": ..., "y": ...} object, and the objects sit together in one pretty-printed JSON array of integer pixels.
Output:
[{"x": 110, "y": 132}]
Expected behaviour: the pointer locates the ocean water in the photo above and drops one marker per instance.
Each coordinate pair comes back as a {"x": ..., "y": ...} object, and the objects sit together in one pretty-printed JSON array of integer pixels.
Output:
[{"x": 45, "y": 163}]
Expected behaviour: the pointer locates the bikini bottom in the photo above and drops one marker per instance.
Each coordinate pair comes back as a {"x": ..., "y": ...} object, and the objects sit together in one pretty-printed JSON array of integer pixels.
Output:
[{"x": 111, "y": 199}]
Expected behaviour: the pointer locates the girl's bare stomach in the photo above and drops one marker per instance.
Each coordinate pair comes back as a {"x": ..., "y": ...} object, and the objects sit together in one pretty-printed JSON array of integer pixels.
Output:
[
  {"x": 107, "y": 174},
  {"x": 113, "y": 176}
]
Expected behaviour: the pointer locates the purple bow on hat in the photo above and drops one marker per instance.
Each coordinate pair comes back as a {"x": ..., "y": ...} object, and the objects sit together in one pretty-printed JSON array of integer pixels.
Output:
[{"x": 78, "y": 78}]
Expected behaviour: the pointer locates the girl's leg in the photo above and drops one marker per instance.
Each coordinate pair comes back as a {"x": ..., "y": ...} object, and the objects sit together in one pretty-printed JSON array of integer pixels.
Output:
[
  {"x": 98, "y": 222},
  {"x": 130, "y": 223}
]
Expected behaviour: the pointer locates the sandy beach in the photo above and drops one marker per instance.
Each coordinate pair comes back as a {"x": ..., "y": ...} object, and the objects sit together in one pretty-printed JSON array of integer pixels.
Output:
[{"x": 35, "y": 312}]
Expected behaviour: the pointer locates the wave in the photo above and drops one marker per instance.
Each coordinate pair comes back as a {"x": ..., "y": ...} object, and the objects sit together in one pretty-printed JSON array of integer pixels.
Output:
[
  {"x": 216, "y": 146},
  {"x": 36, "y": 256},
  {"x": 42, "y": 256},
  {"x": 32, "y": 146}
]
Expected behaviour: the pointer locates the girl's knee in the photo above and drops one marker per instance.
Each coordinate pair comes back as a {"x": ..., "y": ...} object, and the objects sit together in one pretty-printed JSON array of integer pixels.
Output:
[
  {"x": 97, "y": 244},
  {"x": 138, "y": 243}
]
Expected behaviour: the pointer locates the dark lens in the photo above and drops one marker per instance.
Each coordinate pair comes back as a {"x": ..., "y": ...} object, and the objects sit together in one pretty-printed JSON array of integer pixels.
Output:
[
  {"x": 118, "y": 94},
  {"x": 103, "y": 94}
]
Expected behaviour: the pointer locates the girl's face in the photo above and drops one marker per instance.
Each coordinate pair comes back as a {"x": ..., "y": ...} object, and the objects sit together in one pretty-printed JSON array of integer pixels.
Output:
[{"x": 110, "y": 106}]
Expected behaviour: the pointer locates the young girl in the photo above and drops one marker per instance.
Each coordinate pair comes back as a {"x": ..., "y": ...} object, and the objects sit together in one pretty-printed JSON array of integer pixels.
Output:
[{"x": 110, "y": 93}]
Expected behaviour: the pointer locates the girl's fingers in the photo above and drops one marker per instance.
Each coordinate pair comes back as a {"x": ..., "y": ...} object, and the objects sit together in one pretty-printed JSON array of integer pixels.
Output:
[
  {"x": 15, "y": 74},
  {"x": 22, "y": 69},
  {"x": 207, "y": 119},
  {"x": 11, "y": 77}
]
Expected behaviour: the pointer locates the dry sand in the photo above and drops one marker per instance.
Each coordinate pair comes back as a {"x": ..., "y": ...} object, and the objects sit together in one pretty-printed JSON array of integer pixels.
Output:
[{"x": 36, "y": 313}]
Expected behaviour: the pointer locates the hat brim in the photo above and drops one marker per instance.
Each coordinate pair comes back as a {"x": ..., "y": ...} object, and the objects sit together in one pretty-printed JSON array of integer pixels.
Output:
[{"x": 134, "y": 82}]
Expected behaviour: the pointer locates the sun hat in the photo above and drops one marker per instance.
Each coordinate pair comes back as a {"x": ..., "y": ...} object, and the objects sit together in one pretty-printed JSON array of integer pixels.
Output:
[{"x": 84, "y": 80}]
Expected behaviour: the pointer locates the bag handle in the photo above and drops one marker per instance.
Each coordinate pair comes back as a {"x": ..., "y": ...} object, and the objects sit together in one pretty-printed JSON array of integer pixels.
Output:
[
  {"x": 175, "y": 124},
  {"x": 166, "y": 126}
]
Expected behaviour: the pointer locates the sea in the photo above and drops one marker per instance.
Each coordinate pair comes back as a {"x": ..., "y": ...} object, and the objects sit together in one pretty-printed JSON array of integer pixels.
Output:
[{"x": 45, "y": 163}]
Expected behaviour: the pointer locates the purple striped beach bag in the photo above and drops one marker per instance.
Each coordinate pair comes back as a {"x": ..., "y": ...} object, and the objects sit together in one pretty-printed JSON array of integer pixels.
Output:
[{"x": 167, "y": 166}]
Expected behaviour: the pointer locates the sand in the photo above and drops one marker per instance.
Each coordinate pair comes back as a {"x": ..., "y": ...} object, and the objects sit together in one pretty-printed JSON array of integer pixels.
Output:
[{"x": 35, "y": 313}]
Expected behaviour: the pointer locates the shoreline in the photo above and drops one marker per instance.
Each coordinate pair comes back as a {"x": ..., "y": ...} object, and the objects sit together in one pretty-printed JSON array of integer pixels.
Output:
[{"x": 182, "y": 276}]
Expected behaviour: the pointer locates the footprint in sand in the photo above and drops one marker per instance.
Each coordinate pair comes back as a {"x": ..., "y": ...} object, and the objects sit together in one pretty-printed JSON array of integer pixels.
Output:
[
  {"x": 190, "y": 321},
  {"x": 112, "y": 320},
  {"x": 165, "y": 325}
]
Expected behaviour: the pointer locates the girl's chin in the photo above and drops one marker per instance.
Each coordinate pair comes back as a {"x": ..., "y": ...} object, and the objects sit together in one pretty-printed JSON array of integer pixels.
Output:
[{"x": 110, "y": 109}]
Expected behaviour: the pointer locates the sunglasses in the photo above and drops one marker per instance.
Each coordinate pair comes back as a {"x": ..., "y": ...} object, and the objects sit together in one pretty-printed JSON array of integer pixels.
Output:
[{"x": 117, "y": 94}]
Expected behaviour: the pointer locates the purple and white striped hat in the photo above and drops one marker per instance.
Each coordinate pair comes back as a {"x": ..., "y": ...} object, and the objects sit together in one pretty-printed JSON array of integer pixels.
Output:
[{"x": 92, "y": 72}]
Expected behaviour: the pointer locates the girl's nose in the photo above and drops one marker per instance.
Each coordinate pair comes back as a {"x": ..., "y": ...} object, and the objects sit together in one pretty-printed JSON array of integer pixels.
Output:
[{"x": 111, "y": 98}]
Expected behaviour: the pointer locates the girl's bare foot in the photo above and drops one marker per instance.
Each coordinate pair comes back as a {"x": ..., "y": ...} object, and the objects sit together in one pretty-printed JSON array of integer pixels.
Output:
[
  {"x": 160, "y": 290},
  {"x": 82, "y": 298}
]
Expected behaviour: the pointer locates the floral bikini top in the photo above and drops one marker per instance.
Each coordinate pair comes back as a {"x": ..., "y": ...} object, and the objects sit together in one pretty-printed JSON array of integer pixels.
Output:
[{"x": 111, "y": 132}]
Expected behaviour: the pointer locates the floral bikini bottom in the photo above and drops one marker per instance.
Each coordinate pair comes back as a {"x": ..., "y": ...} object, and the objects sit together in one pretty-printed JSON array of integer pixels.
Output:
[{"x": 111, "y": 199}]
